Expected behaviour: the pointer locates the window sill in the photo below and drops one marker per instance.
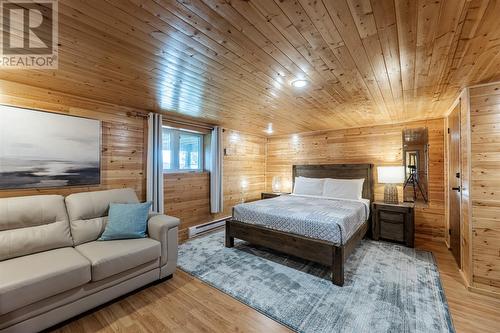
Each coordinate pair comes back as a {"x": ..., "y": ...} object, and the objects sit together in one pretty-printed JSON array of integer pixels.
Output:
[{"x": 181, "y": 172}]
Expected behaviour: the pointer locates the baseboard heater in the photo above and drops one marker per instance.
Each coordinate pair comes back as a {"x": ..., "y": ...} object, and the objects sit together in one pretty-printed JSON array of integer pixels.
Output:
[{"x": 203, "y": 228}]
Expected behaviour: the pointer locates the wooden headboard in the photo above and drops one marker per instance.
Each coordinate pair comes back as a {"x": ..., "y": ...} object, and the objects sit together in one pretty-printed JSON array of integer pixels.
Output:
[{"x": 339, "y": 171}]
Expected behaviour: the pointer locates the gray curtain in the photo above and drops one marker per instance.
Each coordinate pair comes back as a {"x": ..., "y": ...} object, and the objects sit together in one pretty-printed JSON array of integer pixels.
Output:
[
  {"x": 216, "y": 158},
  {"x": 155, "y": 163}
]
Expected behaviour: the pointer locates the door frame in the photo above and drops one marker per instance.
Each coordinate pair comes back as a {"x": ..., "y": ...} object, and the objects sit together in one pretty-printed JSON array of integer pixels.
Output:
[
  {"x": 466, "y": 239},
  {"x": 449, "y": 176}
]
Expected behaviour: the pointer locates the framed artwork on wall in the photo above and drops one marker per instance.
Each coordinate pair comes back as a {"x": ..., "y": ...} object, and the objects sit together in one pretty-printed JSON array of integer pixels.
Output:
[{"x": 41, "y": 149}]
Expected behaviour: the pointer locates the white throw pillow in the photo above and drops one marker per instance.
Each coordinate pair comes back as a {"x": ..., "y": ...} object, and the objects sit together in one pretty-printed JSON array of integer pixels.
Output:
[
  {"x": 343, "y": 188},
  {"x": 308, "y": 186}
]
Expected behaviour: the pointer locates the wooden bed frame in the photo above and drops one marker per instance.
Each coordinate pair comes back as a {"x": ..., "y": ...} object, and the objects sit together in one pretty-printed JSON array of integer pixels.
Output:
[{"x": 320, "y": 251}]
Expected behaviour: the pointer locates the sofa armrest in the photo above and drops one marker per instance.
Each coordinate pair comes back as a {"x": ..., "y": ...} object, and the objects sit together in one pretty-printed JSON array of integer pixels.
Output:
[
  {"x": 158, "y": 222},
  {"x": 164, "y": 229}
]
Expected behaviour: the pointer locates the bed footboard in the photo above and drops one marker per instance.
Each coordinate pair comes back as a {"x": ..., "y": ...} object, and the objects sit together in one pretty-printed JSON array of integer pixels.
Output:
[{"x": 315, "y": 250}]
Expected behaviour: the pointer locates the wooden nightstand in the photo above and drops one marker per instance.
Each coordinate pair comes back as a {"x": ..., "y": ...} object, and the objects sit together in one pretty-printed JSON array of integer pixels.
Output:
[
  {"x": 268, "y": 195},
  {"x": 394, "y": 222}
]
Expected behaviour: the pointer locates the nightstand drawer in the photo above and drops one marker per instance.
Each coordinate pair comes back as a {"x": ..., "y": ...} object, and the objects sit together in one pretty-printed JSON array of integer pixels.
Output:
[
  {"x": 392, "y": 217},
  {"x": 392, "y": 231},
  {"x": 394, "y": 222}
]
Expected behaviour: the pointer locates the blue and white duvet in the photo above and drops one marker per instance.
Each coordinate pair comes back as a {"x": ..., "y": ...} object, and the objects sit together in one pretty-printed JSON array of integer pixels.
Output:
[{"x": 329, "y": 219}]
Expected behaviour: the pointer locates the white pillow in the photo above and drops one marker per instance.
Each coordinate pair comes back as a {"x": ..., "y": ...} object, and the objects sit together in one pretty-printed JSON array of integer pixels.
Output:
[
  {"x": 308, "y": 186},
  {"x": 343, "y": 188}
]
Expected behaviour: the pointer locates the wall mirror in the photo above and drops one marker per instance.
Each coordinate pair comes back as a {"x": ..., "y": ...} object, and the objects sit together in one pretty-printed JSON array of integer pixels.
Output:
[{"x": 415, "y": 160}]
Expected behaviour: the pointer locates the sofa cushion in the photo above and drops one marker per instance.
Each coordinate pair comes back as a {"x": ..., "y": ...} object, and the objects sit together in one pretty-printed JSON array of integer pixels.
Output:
[
  {"x": 126, "y": 221},
  {"x": 32, "y": 224},
  {"x": 31, "y": 278},
  {"x": 88, "y": 211},
  {"x": 112, "y": 257}
]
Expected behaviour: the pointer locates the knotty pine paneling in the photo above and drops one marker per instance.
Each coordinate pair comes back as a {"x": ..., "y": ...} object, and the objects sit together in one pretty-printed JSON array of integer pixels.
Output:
[
  {"x": 187, "y": 195},
  {"x": 123, "y": 137},
  {"x": 231, "y": 62},
  {"x": 244, "y": 161},
  {"x": 485, "y": 185},
  {"x": 380, "y": 145}
]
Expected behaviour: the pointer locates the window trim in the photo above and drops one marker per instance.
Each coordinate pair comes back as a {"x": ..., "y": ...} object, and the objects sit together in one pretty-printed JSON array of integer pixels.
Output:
[{"x": 175, "y": 150}]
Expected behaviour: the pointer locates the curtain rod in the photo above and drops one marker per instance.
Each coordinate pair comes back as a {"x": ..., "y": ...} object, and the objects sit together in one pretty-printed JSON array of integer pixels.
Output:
[{"x": 188, "y": 123}]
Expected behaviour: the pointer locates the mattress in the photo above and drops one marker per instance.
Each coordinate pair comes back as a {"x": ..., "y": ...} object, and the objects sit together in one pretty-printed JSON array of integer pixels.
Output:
[{"x": 329, "y": 219}]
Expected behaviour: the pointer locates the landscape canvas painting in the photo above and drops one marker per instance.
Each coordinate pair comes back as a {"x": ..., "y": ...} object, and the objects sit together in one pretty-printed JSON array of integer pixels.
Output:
[{"x": 40, "y": 149}]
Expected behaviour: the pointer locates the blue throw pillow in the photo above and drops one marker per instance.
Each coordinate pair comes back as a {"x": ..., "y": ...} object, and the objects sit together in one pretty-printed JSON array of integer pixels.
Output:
[{"x": 126, "y": 221}]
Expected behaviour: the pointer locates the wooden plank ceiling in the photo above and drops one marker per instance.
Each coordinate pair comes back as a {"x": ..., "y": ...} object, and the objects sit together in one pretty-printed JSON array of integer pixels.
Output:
[{"x": 231, "y": 62}]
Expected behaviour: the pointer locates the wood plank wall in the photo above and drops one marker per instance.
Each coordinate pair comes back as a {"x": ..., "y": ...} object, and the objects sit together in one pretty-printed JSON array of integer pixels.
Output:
[
  {"x": 380, "y": 145},
  {"x": 123, "y": 136},
  {"x": 244, "y": 160},
  {"x": 187, "y": 194},
  {"x": 485, "y": 185}
]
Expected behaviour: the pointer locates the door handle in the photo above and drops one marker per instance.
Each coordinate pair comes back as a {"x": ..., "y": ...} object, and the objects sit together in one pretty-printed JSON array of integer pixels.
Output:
[{"x": 456, "y": 189}]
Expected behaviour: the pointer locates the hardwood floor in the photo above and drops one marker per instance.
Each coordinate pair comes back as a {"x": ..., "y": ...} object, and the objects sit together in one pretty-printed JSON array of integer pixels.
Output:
[
  {"x": 471, "y": 312},
  {"x": 181, "y": 304},
  {"x": 185, "y": 304}
]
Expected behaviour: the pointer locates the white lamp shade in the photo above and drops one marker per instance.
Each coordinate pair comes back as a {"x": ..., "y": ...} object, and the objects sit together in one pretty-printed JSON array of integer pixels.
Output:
[
  {"x": 391, "y": 174},
  {"x": 276, "y": 184}
]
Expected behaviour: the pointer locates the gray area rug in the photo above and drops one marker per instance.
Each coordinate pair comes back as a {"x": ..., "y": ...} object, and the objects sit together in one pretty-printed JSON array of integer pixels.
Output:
[{"x": 388, "y": 287}]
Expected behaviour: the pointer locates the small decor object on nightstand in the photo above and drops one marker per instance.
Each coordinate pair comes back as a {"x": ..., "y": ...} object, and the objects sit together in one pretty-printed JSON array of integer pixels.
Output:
[
  {"x": 243, "y": 190},
  {"x": 269, "y": 195},
  {"x": 390, "y": 176},
  {"x": 394, "y": 222}
]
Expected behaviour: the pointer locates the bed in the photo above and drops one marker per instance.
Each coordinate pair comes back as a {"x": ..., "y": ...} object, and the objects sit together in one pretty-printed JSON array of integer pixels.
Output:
[{"x": 315, "y": 228}]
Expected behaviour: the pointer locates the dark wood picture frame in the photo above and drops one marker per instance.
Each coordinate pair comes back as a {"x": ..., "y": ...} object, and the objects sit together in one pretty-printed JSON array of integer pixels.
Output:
[{"x": 320, "y": 251}]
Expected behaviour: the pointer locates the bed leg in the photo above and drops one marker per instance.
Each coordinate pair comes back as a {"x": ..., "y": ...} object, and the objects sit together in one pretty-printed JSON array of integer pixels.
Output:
[
  {"x": 338, "y": 266},
  {"x": 229, "y": 239}
]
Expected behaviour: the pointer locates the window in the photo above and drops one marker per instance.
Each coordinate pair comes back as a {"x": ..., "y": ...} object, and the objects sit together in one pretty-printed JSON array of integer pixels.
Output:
[{"x": 182, "y": 150}]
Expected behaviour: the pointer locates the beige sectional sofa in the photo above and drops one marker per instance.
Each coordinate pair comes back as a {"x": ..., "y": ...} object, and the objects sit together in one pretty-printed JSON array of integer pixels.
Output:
[{"x": 52, "y": 267}]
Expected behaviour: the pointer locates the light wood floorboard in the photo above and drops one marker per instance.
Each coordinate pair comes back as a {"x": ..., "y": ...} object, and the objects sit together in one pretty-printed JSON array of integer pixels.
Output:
[
  {"x": 471, "y": 312},
  {"x": 185, "y": 304},
  {"x": 181, "y": 304}
]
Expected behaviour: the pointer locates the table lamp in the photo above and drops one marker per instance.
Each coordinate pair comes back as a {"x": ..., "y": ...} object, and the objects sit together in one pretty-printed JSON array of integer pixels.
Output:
[
  {"x": 276, "y": 184},
  {"x": 243, "y": 189},
  {"x": 390, "y": 176}
]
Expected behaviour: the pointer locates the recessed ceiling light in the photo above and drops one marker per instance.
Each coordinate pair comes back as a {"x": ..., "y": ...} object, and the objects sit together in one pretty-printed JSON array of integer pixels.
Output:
[{"x": 300, "y": 83}]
